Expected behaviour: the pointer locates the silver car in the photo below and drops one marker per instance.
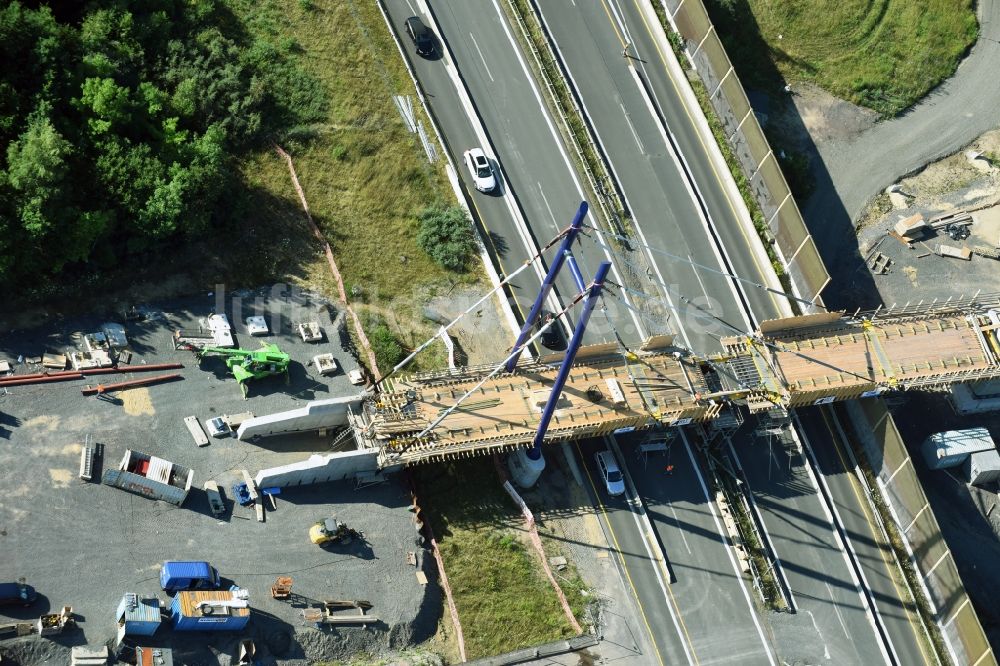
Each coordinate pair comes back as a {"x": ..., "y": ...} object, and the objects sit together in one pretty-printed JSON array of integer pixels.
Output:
[
  {"x": 610, "y": 473},
  {"x": 480, "y": 169}
]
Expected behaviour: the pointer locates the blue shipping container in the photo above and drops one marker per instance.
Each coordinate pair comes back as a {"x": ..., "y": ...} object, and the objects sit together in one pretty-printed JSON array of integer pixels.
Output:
[
  {"x": 188, "y": 575},
  {"x": 208, "y": 611},
  {"x": 138, "y": 616}
]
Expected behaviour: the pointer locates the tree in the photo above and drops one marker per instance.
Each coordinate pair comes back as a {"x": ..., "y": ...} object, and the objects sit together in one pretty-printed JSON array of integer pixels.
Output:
[
  {"x": 36, "y": 169},
  {"x": 446, "y": 235}
]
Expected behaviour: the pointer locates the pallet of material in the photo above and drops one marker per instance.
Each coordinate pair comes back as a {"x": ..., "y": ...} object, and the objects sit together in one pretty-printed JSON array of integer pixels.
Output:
[
  {"x": 83, "y": 655},
  {"x": 956, "y": 252},
  {"x": 331, "y": 613},
  {"x": 16, "y": 629},
  {"x": 194, "y": 427},
  {"x": 87, "y": 463},
  {"x": 234, "y": 421},
  {"x": 54, "y": 361}
]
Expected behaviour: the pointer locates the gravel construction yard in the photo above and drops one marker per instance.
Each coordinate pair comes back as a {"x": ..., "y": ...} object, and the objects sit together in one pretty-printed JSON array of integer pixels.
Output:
[
  {"x": 949, "y": 185},
  {"x": 86, "y": 544}
]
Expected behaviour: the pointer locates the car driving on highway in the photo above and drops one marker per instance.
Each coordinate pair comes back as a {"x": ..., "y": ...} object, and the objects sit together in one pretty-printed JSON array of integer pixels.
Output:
[
  {"x": 610, "y": 473},
  {"x": 423, "y": 38},
  {"x": 480, "y": 169}
]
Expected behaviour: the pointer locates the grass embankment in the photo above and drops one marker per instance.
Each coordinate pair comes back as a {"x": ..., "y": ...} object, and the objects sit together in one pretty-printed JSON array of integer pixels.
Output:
[
  {"x": 883, "y": 54},
  {"x": 504, "y": 600},
  {"x": 365, "y": 176}
]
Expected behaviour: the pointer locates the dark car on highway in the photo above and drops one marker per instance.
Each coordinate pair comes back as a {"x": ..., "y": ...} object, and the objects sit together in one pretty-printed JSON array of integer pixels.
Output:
[
  {"x": 17, "y": 593},
  {"x": 421, "y": 35},
  {"x": 553, "y": 336}
]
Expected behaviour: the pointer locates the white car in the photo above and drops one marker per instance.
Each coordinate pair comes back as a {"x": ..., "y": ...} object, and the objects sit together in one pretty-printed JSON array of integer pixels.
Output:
[
  {"x": 610, "y": 473},
  {"x": 480, "y": 170}
]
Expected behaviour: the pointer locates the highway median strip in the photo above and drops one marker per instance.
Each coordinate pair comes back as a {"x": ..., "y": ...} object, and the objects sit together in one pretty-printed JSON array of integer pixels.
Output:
[{"x": 573, "y": 126}]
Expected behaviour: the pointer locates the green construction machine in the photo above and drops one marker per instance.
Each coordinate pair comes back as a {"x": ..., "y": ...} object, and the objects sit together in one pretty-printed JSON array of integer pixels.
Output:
[{"x": 246, "y": 365}]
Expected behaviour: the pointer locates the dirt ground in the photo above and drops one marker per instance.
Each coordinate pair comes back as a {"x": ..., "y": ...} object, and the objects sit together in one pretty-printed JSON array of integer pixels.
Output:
[
  {"x": 825, "y": 117},
  {"x": 952, "y": 184}
]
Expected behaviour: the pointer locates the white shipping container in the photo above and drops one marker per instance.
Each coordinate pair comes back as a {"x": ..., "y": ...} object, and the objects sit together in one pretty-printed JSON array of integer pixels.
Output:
[{"x": 949, "y": 449}]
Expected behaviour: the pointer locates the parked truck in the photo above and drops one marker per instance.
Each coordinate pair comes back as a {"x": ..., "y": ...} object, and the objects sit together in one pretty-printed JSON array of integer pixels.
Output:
[{"x": 188, "y": 575}]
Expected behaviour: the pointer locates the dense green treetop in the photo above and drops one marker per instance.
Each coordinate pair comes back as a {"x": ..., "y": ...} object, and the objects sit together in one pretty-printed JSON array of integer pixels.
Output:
[{"x": 119, "y": 123}]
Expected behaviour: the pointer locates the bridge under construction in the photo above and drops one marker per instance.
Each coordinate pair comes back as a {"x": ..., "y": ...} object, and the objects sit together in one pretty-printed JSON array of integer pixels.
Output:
[{"x": 805, "y": 360}]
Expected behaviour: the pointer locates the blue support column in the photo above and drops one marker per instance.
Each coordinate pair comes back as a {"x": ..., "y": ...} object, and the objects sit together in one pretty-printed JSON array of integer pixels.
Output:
[
  {"x": 574, "y": 345},
  {"x": 550, "y": 278},
  {"x": 575, "y": 270}
]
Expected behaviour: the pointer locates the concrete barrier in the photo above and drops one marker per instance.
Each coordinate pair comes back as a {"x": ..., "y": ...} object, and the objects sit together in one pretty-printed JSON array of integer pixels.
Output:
[
  {"x": 913, "y": 515},
  {"x": 319, "y": 469},
  {"x": 792, "y": 242},
  {"x": 316, "y": 415}
]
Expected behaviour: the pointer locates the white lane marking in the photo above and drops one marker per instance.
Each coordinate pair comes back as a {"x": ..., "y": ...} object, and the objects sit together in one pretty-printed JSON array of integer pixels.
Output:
[
  {"x": 634, "y": 134},
  {"x": 671, "y": 306},
  {"x": 729, "y": 551},
  {"x": 635, "y": 508},
  {"x": 836, "y": 608},
  {"x": 810, "y": 462},
  {"x": 477, "y": 127},
  {"x": 481, "y": 56},
  {"x": 826, "y": 648},
  {"x": 516, "y": 49},
  {"x": 735, "y": 287},
  {"x": 413, "y": 12},
  {"x": 697, "y": 275},
  {"x": 764, "y": 533},
  {"x": 555, "y": 225},
  {"x": 678, "y": 523}
]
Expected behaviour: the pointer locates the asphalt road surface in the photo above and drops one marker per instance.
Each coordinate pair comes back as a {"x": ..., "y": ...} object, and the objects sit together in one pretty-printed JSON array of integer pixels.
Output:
[
  {"x": 536, "y": 174},
  {"x": 672, "y": 186},
  {"x": 838, "y": 629},
  {"x": 708, "y": 590},
  {"x": 588, "y": 35},
  {"x": 641, "y": 146},
  {"x": 825, "y": 437}
]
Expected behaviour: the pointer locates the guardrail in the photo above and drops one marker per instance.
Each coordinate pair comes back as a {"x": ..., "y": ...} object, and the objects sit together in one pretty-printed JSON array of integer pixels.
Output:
[{"x": 791, "y": 239}]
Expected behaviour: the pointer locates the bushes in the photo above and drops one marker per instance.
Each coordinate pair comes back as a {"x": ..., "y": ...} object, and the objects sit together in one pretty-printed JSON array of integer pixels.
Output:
[
  {"x": 120, "y": 123},
  {"x": 388, "y": 351},
  {"x": 446, "y": 235}
]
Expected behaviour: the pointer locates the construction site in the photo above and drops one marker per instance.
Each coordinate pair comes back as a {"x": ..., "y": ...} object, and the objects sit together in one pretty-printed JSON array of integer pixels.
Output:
[
  {"x": 286, "y": 476},
  {"x": 85, "y": 544}
]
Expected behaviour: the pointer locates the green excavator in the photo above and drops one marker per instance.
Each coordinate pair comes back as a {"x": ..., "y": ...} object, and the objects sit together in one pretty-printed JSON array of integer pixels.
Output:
[{"x": 246, "y": 365}]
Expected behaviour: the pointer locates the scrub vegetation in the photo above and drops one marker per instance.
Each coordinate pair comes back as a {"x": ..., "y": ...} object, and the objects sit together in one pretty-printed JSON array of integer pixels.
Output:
[
  {"x": 138, "y": 148},
  {"x": 883, "y": 54},
  {"x": 503, "y": 599}
]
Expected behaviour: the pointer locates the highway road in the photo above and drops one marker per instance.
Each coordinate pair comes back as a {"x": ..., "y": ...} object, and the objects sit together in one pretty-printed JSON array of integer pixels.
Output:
[
  {"x": 640, "y": 133},
  {"x": 708, "y": 589},
  {"x": 639, "y": 143},
  {"x": 645, "y": 577},
  {"x": 839, "y": 628},
  {"x": 517, "y": 123},
  {"x": 539, "y": 179},
  {"x": 540, "y": 190},
  {"x": 827, "y": 441}
]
